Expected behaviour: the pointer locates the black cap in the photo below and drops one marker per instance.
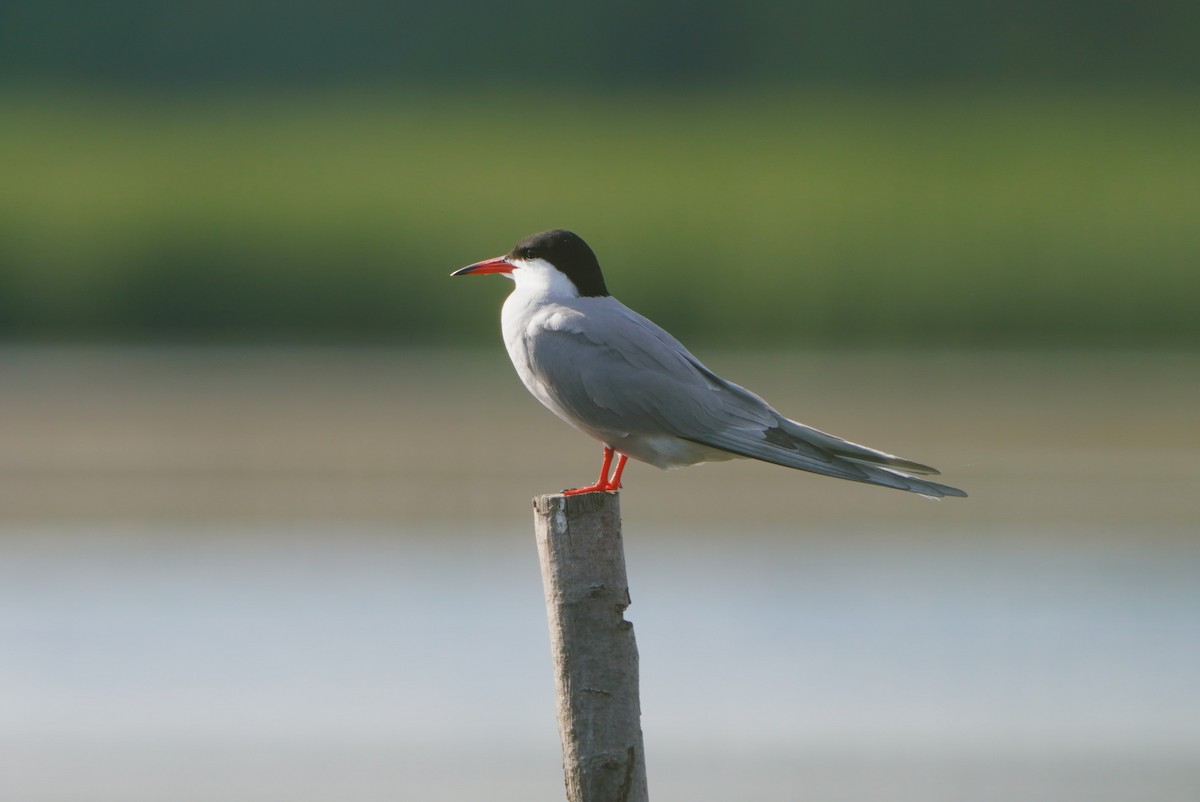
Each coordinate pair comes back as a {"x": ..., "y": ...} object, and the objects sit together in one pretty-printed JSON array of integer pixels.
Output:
[{"x": 569, "y": 254}]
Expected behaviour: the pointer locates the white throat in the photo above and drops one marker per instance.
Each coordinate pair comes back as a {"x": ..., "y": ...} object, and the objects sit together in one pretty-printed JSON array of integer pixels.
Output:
[{"x": 537, "y": 278}]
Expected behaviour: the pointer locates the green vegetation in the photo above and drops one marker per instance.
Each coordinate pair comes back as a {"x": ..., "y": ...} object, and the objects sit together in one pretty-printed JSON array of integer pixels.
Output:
[{"x": 790, "y": 218}]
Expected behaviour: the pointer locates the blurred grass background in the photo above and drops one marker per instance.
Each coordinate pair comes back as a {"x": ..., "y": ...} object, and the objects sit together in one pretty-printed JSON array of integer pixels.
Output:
[
  {"x": 824, "y": 174},
  {"x": 783, "y": 217}
]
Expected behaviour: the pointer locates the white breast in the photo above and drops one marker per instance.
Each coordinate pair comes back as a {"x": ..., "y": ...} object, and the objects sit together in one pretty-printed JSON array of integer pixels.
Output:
[{"x": 539, "y": 302}]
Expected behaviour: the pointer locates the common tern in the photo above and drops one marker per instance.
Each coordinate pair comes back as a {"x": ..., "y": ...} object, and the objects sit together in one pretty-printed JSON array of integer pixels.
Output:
[{"x": 618, "y": 377}]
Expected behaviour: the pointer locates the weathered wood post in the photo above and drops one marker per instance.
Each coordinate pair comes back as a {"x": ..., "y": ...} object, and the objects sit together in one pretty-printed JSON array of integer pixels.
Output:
[{"x": 592, "y": 646}]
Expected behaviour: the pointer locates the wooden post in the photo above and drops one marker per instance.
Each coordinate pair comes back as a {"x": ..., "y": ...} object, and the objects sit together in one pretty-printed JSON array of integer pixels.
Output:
[{"x": 592, "y": 646}]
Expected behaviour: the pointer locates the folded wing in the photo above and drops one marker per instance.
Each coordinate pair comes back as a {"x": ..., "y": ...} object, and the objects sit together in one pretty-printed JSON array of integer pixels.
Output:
[{"x": 613, "y": 370}]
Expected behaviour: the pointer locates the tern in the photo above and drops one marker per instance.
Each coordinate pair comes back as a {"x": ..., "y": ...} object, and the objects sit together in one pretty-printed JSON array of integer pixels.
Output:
[{"x": 616, "y": 376}]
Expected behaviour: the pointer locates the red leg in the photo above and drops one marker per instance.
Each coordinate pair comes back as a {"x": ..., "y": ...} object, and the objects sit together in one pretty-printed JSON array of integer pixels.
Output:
[
  {"x": 615, "y": 482},
  {"x": 603, "y": 485}
]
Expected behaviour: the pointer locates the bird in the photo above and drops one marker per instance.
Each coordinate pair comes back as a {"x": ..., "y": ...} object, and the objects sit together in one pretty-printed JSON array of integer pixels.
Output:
[{"x": 614, "y": 375}]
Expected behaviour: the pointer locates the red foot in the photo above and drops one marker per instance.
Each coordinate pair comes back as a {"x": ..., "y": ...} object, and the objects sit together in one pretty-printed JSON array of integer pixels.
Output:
[
  {"x": 604, "y": 484},
  {"x": 596, "y": 488}
]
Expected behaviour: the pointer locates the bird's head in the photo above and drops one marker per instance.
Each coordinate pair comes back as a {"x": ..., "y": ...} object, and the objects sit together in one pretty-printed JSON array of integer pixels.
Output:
[{"x": 547, "y": 258}]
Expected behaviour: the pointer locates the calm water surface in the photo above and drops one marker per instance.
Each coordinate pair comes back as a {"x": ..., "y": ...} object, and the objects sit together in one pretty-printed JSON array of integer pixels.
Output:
[{"x": 299, "y": 663}]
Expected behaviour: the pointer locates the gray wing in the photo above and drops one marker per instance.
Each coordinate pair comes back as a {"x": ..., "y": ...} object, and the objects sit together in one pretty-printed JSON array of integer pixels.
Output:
[{"x": 616, "y": 371}]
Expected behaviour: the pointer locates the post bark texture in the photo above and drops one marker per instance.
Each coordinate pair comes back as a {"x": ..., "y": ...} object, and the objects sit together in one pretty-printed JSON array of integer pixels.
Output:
[{"x": 592, "y": 646}]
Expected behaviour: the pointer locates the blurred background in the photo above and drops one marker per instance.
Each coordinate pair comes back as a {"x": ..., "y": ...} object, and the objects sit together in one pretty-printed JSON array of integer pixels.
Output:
[{"x": 265, "y": 470}]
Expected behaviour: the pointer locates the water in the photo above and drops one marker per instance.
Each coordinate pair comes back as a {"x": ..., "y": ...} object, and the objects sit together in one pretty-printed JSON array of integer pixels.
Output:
[{"x": 296, "y": 663}]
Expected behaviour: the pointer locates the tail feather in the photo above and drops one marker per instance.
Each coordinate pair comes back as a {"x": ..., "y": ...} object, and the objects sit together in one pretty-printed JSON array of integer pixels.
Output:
[
  {"x": 795, "y": 445},
  {"x": 900, "y": 481},
  {"x": 853, "y": 451}
]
